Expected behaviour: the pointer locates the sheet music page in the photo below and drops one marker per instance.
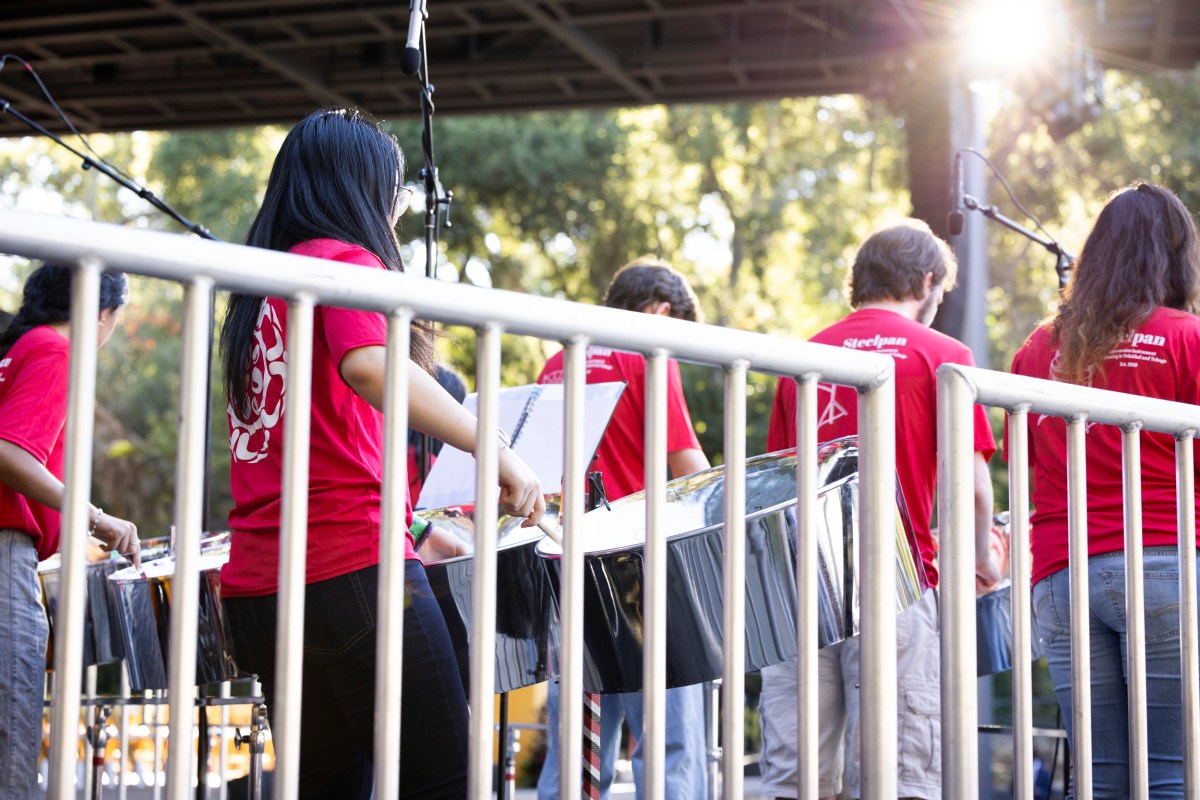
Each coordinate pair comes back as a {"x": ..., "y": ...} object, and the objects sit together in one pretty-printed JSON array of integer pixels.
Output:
[{"x": 539, "y": 442}]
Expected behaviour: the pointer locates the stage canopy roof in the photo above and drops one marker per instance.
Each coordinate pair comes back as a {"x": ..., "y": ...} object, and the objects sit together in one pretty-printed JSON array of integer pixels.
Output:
[{"x": 167, "y": 64}]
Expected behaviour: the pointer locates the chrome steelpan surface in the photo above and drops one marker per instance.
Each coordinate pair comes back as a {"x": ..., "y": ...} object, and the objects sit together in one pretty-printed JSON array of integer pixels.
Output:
[
  {"x": 526, "y": 621},
  {"x": 614, "y": 570},
  {"x": 102, "y": 638},
  {"x": 141, "y": 603}
]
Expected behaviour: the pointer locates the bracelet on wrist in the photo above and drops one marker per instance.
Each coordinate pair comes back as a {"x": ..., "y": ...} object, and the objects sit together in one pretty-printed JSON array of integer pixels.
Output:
[
  {"x": 419, "y": 529},
  {"x": 96, "y": 521}
]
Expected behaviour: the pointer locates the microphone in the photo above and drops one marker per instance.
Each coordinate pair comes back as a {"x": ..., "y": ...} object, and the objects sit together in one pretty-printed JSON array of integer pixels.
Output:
[
  {"x": 956, "y": 219},
  {"x": 410, "y": 62}
]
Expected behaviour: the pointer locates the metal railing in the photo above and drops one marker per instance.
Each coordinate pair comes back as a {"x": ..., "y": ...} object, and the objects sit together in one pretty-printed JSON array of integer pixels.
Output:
[
  {"x": 959, "y": 388},
  {"x": 202, "y": 266}
]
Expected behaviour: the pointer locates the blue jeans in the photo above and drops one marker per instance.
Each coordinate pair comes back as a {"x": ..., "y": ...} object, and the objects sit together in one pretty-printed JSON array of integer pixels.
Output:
[
  {"x": 685, "y": 758},
  {"x": 337, "y": 726},
  {"x": 23, "y": 634},
  {"x": 1110, "y": 718}
]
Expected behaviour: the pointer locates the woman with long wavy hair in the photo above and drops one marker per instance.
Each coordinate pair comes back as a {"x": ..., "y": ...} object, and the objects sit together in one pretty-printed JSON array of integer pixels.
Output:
[
  {"x": 336, "y": 191},
  {"x": 1126, "y": 323},
  {"x": 34, "y": 363}
]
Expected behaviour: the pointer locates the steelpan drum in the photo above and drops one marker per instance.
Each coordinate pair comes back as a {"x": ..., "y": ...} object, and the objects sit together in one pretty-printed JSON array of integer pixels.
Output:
[
  {"x": 102, "y": 638},
  {"x": 614, "y": 570},
  {"x": 526, "y": 621},
  {"x": 141, "y": 603}
]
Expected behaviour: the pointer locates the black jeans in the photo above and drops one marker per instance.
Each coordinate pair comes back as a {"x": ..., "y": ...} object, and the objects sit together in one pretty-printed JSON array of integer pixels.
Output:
[{"x": 337, "y": 724}]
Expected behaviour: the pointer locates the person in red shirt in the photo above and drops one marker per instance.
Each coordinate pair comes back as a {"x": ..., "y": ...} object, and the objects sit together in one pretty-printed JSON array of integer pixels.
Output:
[
  {"x": 34, "y": 363},
  {"x": 1126, "y": 323},
  {"x": 650, "y": 286},
  {"x": 896, "y": 283},
  {"x": 336, "y": 191}
]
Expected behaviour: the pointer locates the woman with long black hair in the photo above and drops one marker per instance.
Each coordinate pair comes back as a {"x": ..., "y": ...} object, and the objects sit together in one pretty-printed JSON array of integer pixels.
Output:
[
  {"x": 1126, "y": 323},
  {"x": 336, "y": 191},
  {"x": 34, "y": 363}
]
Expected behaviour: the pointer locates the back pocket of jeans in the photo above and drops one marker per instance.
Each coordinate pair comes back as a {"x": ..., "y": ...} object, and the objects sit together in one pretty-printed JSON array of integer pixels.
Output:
[{"x": 337, "y": 615}]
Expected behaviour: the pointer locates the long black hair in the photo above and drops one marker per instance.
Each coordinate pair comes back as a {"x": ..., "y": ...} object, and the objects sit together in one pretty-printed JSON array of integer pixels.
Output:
[
  {"x": 47, "y": 300},
  {"x": 337, "y": 176}
]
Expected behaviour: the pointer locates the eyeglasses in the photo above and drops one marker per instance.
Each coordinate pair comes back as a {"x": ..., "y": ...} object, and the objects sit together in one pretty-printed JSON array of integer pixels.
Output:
[{"x": 404, "y": 196}]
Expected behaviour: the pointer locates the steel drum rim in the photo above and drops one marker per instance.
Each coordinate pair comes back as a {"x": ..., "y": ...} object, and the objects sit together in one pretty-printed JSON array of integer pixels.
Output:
[
  {"x": 751, "y": 516},
  {"x": 534, "y": 537}
]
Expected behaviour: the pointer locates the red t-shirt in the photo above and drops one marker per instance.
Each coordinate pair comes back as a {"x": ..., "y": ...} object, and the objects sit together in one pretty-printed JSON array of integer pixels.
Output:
[
  {"x": 918, "y": 352},
  {"x": 33, "y": 415},
  {"x": 621, "y": 457},
  {"x": 345, "y": 450},
  {"x": 1162, "y": 359}
]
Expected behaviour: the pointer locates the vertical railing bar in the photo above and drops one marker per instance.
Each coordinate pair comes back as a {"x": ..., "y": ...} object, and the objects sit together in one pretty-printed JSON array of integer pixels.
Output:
[
  {"x": 483, "y": 586},
  {"x": 392, "y": 539},
  {"x": 570, "y": 709},
  {"x": 654, "y": 666},
  {"x": 808, "y": 737},
  {"x": 1188, "y": 641},
  {"x": 77, "y": 478},
  {"x": 293, "y": 550},
  {"x": 1081, "y": 656},
  {"x": 877, "y": 475},
  {"x": 1135, "y": 611},
  {"x": 223, "y": 744},
  {"x": 956, "y": 557},
  {"x": 733, "y": 695},
  {"x": 189, "y": 513},
  {"x": 1019, "y": 577}
]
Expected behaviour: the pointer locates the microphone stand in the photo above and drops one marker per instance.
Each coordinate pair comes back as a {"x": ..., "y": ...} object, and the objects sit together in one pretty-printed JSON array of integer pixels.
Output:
[
  {"x": 436, "y": 198},
  {"x": 1064, "y": 260},
  {"x": 91, "y": 163}
]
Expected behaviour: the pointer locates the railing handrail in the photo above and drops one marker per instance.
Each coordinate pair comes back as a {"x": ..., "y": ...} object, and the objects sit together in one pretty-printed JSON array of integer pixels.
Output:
[
  {"x": 1068, "y": 400},
  {"x": 179, "y": 258}
]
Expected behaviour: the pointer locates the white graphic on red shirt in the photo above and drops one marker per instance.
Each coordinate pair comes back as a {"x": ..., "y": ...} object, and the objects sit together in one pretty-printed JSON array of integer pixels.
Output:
[
  {"x": 1054, "y": 377},
  {"x": 831, "y": 409},
  {"x": 249, "y": 440}
]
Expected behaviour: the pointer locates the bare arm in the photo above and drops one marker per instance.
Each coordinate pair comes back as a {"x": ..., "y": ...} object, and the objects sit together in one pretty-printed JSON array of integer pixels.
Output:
[
  {"x": 433, "y": 411},
  {"x": 986, "y": 570},
  {"x": 21, "y": 471},
  {"x": 686, "y": 462}
]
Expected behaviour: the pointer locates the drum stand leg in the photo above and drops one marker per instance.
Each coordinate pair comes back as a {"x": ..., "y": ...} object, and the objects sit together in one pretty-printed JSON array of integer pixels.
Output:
[
  {"x": 712, "y": 708},
  {"x": 159, "y": 771},
  {"x": 203, "y": 746},
  {"x": 256, "y": 738},
  {"x": 223, "y": 739},
  {"x": 123, "y": 741},
  {"x": 97, "y": 737},
  {"x": 502, "y": 792},
  {"x": 89, "y": 694}
]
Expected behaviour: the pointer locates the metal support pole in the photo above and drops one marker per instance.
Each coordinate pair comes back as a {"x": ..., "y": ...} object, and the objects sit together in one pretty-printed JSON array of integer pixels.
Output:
[
  {"x": 293, "y": 549},
  {"x": 189, "y": 513},
  {"x": 392, "y": 537},
  {"x": 570, "y": 713},
  {"x": 1188, "y": 644},
  {"x": 877, "y": 477},
  {"x": 124, "y": 762},
  {"x": 956, "y": 522},
  {"x": 1019, "y": 570},
  {"x": 734, "y": 679},
  {"x": 654, "y": 600},
  {"x": 807, "y": 604},
  {"x": 1081, "y": 653},
  {"x": 77, "y": 477},
  {"x": 483, "y": 586},
  {"x": 1135, "y": 611}
]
